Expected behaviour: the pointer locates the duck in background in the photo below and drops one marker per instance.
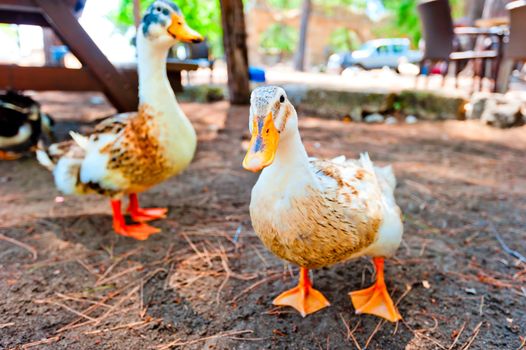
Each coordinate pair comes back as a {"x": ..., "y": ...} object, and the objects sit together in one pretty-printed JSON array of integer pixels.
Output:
[
  {"x": 317, "y": 213},
  {"x": 22, "y": 124},
  {"x": 131, "y": 152}
]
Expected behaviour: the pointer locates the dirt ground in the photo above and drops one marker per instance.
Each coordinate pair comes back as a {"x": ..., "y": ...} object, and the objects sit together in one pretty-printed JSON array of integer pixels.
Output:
[{"x": 207, "y": 282}]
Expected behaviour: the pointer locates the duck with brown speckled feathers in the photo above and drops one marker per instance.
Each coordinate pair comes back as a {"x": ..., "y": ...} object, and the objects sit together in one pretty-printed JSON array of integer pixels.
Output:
[
  {"x": 131, "y": 152},
  {"x": 317, "y": 213}
]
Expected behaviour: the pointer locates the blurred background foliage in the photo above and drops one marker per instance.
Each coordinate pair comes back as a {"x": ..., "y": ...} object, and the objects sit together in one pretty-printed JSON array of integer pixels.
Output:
[
  {"x": 279, "y": 39},
  {"x": 342, "y": 40},
  {"x": 205, "y": 17}
]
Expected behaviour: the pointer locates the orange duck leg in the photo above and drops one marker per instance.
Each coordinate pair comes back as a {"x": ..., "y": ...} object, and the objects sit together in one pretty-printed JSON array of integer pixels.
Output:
[
  {"x": 144, "y": 214},
  {"x": 140, "y": 231},
  {"x": 376, "y": 300}
]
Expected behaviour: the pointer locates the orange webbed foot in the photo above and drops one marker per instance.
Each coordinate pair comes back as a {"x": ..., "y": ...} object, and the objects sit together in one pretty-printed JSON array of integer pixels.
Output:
[
  {"x": 139, "y": 231},
  {"x": 376, "y": 300},
  {"x": 144, "y": 214},
  {"x": 147, "y": 214},
  {"x": 303, "y": 297},
  {"x": 305, "y": 300}
]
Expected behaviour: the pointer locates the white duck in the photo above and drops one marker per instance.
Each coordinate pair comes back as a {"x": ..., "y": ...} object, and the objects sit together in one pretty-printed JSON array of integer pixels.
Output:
[
  {"x": 132, "y": 152},
  {"x": 317, "y": 213}
]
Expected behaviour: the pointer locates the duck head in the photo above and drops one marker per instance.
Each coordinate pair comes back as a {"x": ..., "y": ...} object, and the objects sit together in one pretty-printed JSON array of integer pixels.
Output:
[
  {"x": 164, "y": 23},
  {"x": 272, "y": 118}
]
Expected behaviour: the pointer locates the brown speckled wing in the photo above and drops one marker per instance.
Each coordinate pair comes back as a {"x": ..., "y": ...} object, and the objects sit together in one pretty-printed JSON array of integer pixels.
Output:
[
  {"x": 137, "y": 153},
  {"x": 68, "y": 149},
  {"x": 328, "y": 224},
  {"x": 114, "y": 124}
]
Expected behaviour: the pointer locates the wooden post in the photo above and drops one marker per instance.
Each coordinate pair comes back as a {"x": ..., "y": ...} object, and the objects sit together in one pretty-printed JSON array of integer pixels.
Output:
[
  {"x": 136, "y": 13},
  {"x": 299, "y": 58},
  {"x": 235, "y": 43}
]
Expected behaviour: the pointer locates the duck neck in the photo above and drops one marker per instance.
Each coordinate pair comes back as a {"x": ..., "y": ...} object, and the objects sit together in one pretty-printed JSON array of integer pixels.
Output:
[
  {"x": 291, "y": 162},
  {"x": 154, "y": 87}
]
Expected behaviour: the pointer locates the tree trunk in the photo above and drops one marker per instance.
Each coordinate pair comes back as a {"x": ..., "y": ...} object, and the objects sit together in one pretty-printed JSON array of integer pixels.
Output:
[
  {"x": 136, "y": 13},
  {"x": 299, "y": 58},
  {"x": 235, "y": 44}
]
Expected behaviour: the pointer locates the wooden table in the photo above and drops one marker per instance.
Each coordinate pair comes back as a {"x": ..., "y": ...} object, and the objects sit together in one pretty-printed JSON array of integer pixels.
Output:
[
  {"x": 498, "y": 32},
  {"x": 492, "y": 22},
  {"x": 97, "y": 72},
  {"x": 503, "y": 67}
]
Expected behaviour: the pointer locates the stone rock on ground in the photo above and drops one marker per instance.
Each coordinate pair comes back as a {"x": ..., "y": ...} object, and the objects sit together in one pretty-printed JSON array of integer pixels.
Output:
[
  {"x": 499, "y": 110},
  {"x": 431, "y": 106},
  {"x": 338, "y": 104},
  {"x": 202, "y": 93},
  {"x": 502, "y": 112},
  {"x": 477, "y": 105},
  {"x": 411, "y": 119},
  {"x": 345, "y": 104},
  {"x": 390, "y": 120},
  {"x": 335, "y": 104},
  {"x": 374, "y": 118}
]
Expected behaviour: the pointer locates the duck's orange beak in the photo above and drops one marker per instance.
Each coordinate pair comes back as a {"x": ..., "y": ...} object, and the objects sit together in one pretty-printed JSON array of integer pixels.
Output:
[
  {"x": 263, "y": 144},
  {"x": 182, "y": 32}
]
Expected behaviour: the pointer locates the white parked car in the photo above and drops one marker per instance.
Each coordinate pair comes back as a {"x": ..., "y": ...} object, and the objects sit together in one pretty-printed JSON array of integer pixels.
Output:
[{"x": 377, "y": 54}]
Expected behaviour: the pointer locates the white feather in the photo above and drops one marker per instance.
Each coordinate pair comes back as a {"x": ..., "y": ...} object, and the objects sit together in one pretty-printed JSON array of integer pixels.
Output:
[
  {"x": 366, "y": 162},
  {"x": 388, "y": 175},
  {"x": 391, "y": 231},
  {"x": 79, "y": 139},
  {"x": 65, "y": 174},
  {"x": 390, "y": 234},
  {"x": 339, "y": 160},
  {"x": 94, "y": 166},
  {"x": 44, "y": 159}
]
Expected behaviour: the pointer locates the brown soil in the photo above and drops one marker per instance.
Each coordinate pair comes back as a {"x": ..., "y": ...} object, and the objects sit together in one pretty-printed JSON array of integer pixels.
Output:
[{"x": 460, "y": 185}]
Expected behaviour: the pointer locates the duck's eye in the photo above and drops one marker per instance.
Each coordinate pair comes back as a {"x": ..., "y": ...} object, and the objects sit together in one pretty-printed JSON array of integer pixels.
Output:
[
  {"x": 282, "y": 99},
  {"x": 157, "y": 9}
]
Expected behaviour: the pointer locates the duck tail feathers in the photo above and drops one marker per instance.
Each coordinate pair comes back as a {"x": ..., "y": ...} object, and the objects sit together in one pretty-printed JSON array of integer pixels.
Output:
[
  {"x": 366, "y": 162},
  {"x": 79, "y": 139},
  {"x": 388, "y": 175},
  {"x": 44, "y": 157},
  {"x": 383, "y": 174}
]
